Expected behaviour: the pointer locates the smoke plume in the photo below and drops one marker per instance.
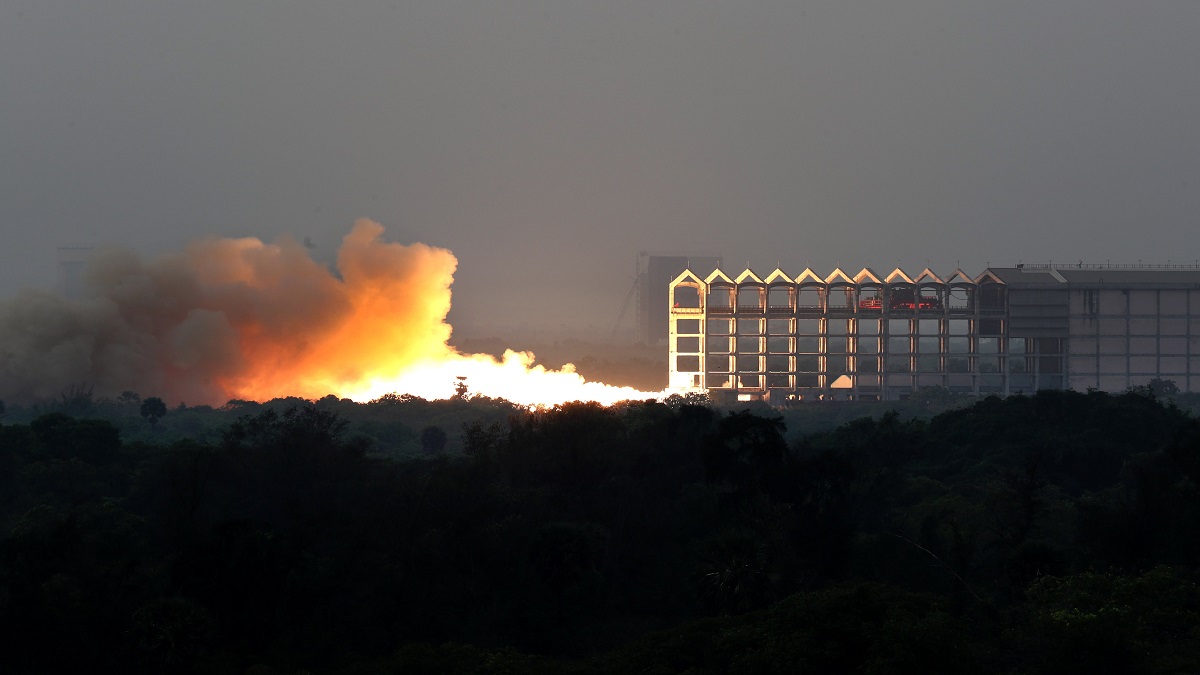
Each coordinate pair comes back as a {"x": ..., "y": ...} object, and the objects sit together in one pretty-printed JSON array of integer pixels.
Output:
[{"x": 242, "y": 319}]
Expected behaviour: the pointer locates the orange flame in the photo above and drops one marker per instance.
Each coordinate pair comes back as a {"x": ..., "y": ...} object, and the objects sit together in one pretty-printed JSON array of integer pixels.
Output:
[{"x": 269, "y": 322}]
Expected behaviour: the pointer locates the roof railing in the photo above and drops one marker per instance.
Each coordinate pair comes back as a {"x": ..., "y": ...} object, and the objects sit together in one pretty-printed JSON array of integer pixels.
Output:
[{"x": 1109, "y": 266}]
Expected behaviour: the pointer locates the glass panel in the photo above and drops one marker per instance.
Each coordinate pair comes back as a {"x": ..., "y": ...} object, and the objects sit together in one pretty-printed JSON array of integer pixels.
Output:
[
  {"x": 987, "y": 345},
  {"x": 719, "y": 344},
  {"x": 688, "y": 326},
  {"x": 1143, "y": 364},
  {"x": 1083, "y": 325},
  {"x": 837, "y": 326},
  {"x": 1172, "y": 302},
  {"x": 1174, "y": 366},
  {"x": 749, "y": 345},
  {"x": 808, "y": 364},
  {"x": 749, "y": 326},
  {"x": 898, "y": 364},
  {"x": 958, "y": 364},
  {"x": 987, "y": 364},
  {"x": 837, "y": 345},
  {"x": 868, "y": 326},
  {"x": 687, "y": 344},
  {"x": 1077, "y": 303},
  {"x": 717, "y": 381},
  {"x": 1016, "y": 345},
  {"x": 1113, "y": 345},
  {"x": 720, "y": 326},
  {"x": 868, "y": 345},
  {"x": 1172, "y": 326},
  {"x": 868, "y": 364},
  {"x": 779, "y": 364},
  {"x": 779, "y": 345},
  {"x": 779, "y": 326},
  {"x": 958, "y": 345},
  {"x": 749, "y": 381},
  {"x": 808, "y": 380},
  {"x": 1112, "y": 302},
  {"x": 958, "y": 327},
  {"x": 929, "y": 345},
  {"x": 929, "y": 364},
  {"x": 687, "y": 363},
  {"x": 928, "y": 326},
  {"x": 1017, "y": 364},
  {"x": 961, "y": 382},
  {"x": 808, "y": 326},
  {"x": 808, "y": 345},
  {"x": 749, "y": 364},
  {"x": 1083, "y": 364},
  {"x": 1143, "y": 327},
  {"x": 1084, "y": 345},
  {"x": 899, "y": 326},
  {"x": 1172, "y": 345},
  {"x": 1143, "y": 302},
  {"x": 1144, "y": 345},
  {"x": 779, "y": 382},
  {"x": 717, "y": 364},
  {"x": 1050, "y": 345},
  {"x": 991, "y": 327},
  {"x": 898, "y": 345}
]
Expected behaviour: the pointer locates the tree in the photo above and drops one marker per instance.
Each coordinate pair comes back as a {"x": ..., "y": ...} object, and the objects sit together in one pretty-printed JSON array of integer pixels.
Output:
[
  {"x": 152, "y": 409},
  {"x": 433, "y": 440},
  {"x": 1161, "y": 387}
]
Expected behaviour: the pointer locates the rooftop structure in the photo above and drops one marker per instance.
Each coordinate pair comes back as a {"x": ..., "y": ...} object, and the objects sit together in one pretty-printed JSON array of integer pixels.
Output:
[{"x": 870, "y": 336}]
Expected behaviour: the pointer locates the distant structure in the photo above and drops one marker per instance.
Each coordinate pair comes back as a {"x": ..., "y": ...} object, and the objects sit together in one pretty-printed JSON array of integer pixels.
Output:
[
  {"x": 654, "y": 275},
  {"x": 71, "y": 262},
  {"x": 871, "y": 337}
]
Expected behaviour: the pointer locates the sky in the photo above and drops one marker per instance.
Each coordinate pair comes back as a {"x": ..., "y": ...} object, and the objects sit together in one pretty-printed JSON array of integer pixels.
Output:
[{"x": 547, "y": 144}]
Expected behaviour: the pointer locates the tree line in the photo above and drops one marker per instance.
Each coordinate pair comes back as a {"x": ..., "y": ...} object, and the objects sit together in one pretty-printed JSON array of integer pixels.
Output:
[{"x": 1057, "y": 532}]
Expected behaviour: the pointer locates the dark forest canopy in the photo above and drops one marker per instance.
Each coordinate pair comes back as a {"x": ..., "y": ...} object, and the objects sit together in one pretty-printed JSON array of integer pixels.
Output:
[{"x": 1058, "y": 532}]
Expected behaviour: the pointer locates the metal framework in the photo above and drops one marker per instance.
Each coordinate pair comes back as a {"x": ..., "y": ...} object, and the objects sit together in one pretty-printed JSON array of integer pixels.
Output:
[{"x": 871, "y": 337}]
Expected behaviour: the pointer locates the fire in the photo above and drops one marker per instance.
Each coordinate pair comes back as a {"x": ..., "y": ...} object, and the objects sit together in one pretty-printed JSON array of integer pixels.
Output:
[{"x": 243, "y": 319}]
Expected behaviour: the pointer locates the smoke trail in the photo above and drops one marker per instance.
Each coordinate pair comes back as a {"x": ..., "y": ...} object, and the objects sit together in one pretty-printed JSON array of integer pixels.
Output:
[{"x": 238, "y": 318}]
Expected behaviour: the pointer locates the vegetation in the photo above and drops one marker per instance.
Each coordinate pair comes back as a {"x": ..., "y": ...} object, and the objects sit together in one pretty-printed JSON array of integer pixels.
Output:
[{"x": 1052, "y": 533}]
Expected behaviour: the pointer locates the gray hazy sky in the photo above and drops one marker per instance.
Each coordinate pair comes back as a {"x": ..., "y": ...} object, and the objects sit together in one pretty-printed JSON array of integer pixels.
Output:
[{"x": 547, "y": 143}]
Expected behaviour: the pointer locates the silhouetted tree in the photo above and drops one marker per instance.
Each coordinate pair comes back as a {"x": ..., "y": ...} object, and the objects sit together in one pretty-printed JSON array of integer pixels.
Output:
[
  {"x": 433, "y": 440},
  {"x": 153, "y": 408}
]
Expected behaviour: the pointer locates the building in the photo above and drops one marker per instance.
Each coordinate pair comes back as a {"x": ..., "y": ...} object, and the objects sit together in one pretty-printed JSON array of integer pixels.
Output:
[
  {"x": 880, "y": 337},
  {"x": 654, "y": 276}
]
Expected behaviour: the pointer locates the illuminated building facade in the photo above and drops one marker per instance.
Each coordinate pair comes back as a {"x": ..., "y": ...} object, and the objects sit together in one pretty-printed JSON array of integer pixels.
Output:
[{"x": 880, "y": 337}]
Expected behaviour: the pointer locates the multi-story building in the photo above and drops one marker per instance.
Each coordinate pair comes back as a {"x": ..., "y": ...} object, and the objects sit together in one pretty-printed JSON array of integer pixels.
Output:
[{"x": 873, "y": 337}]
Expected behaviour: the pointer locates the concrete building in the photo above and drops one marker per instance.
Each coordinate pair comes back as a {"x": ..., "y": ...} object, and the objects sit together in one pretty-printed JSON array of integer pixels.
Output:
[{"x": 867, "y": 336}]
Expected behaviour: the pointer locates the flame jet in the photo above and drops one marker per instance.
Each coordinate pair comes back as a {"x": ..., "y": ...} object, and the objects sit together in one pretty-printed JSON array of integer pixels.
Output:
[{"x": 242, "y": 319}]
